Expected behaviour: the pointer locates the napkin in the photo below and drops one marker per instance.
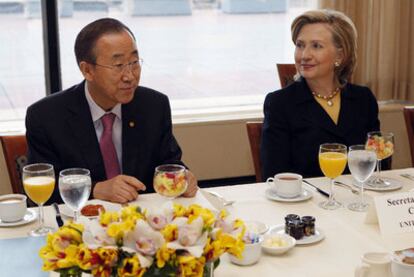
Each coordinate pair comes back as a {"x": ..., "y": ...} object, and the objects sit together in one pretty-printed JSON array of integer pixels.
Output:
[{"x": 20, "y": 257}]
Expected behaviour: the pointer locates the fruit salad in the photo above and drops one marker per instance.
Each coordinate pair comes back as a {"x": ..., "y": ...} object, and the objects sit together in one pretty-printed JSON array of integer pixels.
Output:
[
  {"x": 170, "y": 184},
  {"x": 383, "y": 148}
]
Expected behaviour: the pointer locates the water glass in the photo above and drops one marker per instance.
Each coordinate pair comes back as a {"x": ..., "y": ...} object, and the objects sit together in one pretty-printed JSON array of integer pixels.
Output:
[
  {"x": 75, "y": 188},
  {"x": 361, "y": 163},
  {"x": 332, "y": 160},
  {"x": 39, "y": 183}
]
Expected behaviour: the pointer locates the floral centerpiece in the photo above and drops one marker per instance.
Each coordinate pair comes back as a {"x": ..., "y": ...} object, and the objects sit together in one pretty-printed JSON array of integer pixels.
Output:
[{"x": 172, "y": 241}]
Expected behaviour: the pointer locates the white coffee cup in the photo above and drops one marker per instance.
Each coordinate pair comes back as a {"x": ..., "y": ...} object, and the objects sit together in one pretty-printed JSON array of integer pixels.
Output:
[
  {"x": 287, "y": 185},
  {"x": 400, "y": 268},
  {"x": 374, "y": 264},
  {"x": 13, "y": 207}
]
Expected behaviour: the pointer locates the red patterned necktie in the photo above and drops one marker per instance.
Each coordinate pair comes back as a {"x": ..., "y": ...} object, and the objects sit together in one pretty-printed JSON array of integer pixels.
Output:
[{"x": 107, "y": 146}]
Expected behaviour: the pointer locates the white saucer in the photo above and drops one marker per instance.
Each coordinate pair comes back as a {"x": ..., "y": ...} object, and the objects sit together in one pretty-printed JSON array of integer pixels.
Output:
[
  {"x": 318, "y": 236},
  {"x": 394, "y": 185},
  {"x": 30, "y": 216},
  {"x": 111, "y": 207},
  {"x": 305, "y": 195}
]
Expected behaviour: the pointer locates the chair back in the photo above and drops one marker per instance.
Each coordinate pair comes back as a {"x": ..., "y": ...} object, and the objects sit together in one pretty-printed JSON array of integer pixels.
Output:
[
  {"x": 409, "y": 122},
  {"x": 254, "y": 131},
  {"x": 14, "y": 150},
  {"x": 286, "y": 73}
]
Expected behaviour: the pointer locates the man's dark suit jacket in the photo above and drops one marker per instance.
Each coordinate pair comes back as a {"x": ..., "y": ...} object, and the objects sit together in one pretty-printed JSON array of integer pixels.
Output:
[
  {"x": 60, "y": 131},
  {"x": 295, "y": 125}
]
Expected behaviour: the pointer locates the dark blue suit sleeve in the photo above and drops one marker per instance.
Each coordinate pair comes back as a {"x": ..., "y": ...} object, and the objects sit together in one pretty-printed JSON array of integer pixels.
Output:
[{"x": 275, "y": 145}]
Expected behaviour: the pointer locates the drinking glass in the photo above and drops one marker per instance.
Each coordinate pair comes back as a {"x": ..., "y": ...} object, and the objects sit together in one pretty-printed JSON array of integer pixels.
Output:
[
  {"x": 75, "y": 188},
  {"x": 170, "y": 180},
  {"x": 361, "y": 163},
  {"x": 383, "y": 144},
  {"x": 332, "y": 160},
  {"x": 39, "y": 183}
]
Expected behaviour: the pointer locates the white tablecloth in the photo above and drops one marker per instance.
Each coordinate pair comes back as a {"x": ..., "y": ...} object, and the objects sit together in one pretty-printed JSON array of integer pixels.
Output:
[{"x": 347, "y": 236}]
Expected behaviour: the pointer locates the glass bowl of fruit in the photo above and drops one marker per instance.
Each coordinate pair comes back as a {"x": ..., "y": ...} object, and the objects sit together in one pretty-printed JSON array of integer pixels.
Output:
[{"x": 170, "y": 180}]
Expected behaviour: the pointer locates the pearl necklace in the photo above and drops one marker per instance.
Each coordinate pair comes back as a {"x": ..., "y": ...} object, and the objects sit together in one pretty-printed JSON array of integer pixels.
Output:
[{"x": 327, "y": 97}]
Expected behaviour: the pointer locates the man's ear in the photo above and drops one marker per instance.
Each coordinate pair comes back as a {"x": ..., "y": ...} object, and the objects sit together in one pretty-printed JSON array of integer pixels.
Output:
[{"x": 87, "y": 70}]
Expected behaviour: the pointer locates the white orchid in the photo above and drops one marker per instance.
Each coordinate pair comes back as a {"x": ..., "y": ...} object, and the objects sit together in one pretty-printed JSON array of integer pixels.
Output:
[
  {"x": 95, "y": 234},
  {"x": 159, "y": 218},
  {"x": 144, "y": 241},
  {"x": 190, "y": 236}
]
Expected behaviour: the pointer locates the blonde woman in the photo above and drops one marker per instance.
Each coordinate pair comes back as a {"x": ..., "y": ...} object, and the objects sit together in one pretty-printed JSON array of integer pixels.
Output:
[{"x": 322, "y": 105}]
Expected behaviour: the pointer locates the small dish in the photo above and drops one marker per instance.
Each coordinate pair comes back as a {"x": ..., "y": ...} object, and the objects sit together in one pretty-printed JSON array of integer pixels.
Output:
[
  {"x": 394, "y": 185},
  {"x": 251, "y": 254},
  {"x": 318, "y": 236},
  {"x": 112, "y": 207},
  {"x": 256, "y": 227},
  {"x": 305, "y": 195},
  {"x": 30, "y": 216},
  {"x": 277, "y": 244}
]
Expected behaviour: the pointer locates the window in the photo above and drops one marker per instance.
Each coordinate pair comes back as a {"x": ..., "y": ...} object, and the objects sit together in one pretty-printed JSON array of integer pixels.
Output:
[
  {"x": 206, "y": 61},
  {"x": 22, "y": 78}
]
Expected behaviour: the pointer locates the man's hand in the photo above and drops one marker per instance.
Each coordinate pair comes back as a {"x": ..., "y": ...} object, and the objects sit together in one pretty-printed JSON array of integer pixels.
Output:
[
  {"x": 192, "y": 185},
  {"x": 120, "y": 189}
]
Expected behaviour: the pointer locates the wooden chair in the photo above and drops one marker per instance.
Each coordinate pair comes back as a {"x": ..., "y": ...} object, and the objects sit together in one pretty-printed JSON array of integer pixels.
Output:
[
  {"x": 409, "y": 122},
  {"x": 254, "y": 131},
  {"x": 14, "y": 150},
  {"x": 286, "y": 73}
]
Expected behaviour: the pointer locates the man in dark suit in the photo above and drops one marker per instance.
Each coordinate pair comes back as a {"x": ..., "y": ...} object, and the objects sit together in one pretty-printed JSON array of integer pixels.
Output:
[{"x": 107, "y": 123}]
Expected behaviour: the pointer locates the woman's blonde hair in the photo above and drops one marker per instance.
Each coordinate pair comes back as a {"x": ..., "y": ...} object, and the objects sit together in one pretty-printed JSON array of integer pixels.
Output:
[{"x": 344, "y": 36}]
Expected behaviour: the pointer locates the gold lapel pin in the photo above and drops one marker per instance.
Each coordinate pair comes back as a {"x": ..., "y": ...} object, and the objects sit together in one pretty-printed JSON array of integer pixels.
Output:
[{"x": 132, "y": 124}]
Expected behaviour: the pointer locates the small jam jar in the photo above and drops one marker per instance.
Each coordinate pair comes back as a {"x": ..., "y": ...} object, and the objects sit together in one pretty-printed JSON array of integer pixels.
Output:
[
  {"x": 309, "y": 225},
  {"x": 289, "y": 218},
  {"x": 296, "y": 229}
]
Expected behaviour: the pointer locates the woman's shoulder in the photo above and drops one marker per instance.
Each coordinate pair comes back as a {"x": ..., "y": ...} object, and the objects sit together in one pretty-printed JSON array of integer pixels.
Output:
[
  {"x": 358, "y": 88},
  {"x": 284, "y": 94},
  {"x": 359, "y": 91}
]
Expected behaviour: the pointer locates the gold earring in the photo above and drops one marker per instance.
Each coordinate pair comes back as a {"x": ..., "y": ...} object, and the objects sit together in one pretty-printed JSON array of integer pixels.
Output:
[{"x": 337, "y": 64}]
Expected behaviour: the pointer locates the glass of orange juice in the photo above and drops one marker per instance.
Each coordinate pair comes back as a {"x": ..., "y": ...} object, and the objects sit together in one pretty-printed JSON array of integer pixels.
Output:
[
  {"x": 39, "y": 183},
  {"x": 332, "y": 160}
]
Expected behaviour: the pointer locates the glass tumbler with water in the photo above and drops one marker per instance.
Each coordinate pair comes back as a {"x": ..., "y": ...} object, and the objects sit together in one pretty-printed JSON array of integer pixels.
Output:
[
  {"x": 75, "y": 188},
  {"x": 361, "y": 163}
]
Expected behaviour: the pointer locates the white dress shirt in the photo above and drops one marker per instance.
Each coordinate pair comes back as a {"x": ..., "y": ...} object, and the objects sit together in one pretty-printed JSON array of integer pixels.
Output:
[{"x": 97, "y": 112}]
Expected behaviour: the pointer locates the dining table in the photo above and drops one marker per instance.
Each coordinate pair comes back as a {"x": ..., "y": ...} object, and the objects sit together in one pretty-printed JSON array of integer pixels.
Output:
[{"x": 347, "y": 234}]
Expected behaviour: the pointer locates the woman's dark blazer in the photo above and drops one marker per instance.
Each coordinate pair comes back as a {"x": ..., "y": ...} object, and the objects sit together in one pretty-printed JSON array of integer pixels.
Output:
[{"x": 295, "y": 124}]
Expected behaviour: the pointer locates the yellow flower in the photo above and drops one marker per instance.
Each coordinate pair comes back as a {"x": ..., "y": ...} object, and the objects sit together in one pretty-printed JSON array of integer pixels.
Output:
[
  {"x": 223, "y": 214},
  {"x": 194, "y": 211},
  {"x": 234, "y": 246},
  {"x": 131, "y": 213},
  {"x": 238, "y": 223},
  {"x": 130, "y": 267},
  {"x": 179, "y": 210},
  {"x": 105, "y": 260},
  {"x": 86, "y": 257},
  {"x": 108, "y": 217},
  {"x": 164, "y": 255},
  {"x": 170, "y": 232},
  {"x": 69, "y": 257},
  {"x": 117, "y": 230},
  {"x": 191, "y": 266},
  {"x": 61, "y": 247}
]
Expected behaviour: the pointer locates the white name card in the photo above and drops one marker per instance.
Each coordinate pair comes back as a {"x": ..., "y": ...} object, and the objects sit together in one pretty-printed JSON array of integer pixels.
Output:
[{"x": 395, "y": 213}]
